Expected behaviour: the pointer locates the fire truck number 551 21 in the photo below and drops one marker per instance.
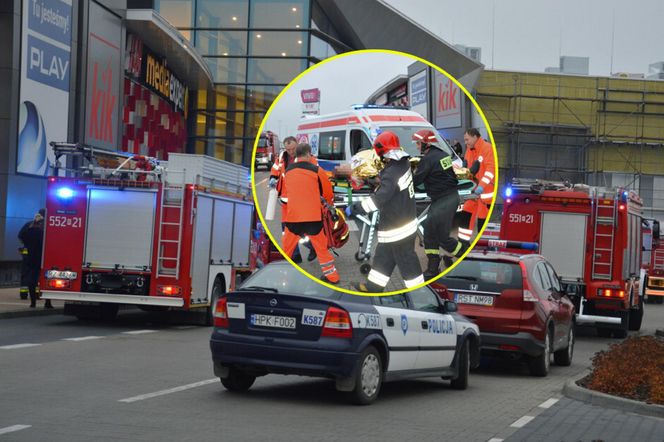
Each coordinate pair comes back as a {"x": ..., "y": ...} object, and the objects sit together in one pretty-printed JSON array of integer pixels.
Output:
[
  {"x": 519, "y": 218},
  {"x": 65, "y": 221}
]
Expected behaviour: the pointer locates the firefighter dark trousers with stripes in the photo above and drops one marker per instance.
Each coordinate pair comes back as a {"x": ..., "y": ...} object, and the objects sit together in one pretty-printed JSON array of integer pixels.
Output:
[
  {"x": 438, "y": 225},
  {"x": 389, "y": 255}
]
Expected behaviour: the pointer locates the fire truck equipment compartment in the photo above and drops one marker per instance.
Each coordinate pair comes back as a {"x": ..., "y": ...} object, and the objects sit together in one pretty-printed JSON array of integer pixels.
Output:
[
  {"x": 120, "y": 227},
  {"x": 563, "y": 242}
]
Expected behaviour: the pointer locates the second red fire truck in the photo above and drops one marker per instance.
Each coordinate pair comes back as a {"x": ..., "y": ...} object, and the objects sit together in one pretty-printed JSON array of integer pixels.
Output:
[
  {"x": 653, "y": 260},
  {"x": 593, "y": 238},
  {"x": 174, "y": 235}
]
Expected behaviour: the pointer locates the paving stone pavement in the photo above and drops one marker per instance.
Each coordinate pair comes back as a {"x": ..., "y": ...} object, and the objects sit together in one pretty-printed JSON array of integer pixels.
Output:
[{"x": 574, "y": 421}]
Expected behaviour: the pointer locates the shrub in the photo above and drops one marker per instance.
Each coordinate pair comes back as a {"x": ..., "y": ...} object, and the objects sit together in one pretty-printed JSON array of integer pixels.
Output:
[{"x": 633, "y": 368}]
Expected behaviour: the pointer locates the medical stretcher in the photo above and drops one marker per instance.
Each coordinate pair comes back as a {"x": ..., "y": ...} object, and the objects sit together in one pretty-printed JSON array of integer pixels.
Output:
[{"x": 345, "y": 194}]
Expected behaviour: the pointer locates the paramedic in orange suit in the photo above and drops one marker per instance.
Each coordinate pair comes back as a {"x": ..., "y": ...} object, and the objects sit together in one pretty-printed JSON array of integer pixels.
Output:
[
  {"x": 285, "y": 159},
  {"x": 304, "y": 185},
  {"x": 481, "y": 163}
]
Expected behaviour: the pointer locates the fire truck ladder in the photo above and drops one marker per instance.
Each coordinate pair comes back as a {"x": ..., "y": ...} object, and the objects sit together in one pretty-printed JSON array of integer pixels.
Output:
[
  {"x": 172, "y": 199},
  {"x": 605, "y": 216}
]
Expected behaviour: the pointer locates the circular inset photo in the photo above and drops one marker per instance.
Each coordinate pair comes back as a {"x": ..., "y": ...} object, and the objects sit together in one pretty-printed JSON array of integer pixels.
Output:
[{"x": 374, "y": 172}]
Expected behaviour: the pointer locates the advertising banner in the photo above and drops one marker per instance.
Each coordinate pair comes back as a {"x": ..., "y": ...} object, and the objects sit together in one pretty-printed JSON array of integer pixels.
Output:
[
  {"x": 310, "y": 101},
  {"x": 418, "y": 91},
  {"x": 447, "y": 102},
  {"x": 104, "y": 77},
  {"x": 44, "y": 91}
]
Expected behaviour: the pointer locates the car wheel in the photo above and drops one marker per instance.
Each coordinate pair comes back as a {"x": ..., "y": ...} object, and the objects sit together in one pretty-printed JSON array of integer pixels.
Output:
[
  {"x": 539, "y": 365},
  {"x": 636, "y": 317},
  {"x": 563, "y": 356},
  {"x": 369, "y": 377},
  {"x": 461, "y": 381},
  {"x": 237, "y": 380}
]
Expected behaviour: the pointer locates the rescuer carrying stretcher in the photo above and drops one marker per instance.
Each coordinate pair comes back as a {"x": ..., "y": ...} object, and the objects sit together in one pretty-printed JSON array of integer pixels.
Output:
[
  {"x": 304, "y": 185},
  {"x": 397, "y": 227},
  {"x": 436, "y": 172}
]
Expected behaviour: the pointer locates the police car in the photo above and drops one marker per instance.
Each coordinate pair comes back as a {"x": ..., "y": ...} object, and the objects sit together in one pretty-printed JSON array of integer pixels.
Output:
[{"x": 279, "y": 321}]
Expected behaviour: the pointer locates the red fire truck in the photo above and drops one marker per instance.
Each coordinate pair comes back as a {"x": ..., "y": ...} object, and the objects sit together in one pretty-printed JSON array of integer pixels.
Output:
[
  {"x": 267, "y": 149},
  {"x": 593, "y": 238},
  {"x": 653, "y": 260},
  {"x": 169, "y": 235}
]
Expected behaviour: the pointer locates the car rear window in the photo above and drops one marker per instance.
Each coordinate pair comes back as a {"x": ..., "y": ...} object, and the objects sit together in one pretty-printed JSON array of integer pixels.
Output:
[
  {"x": 287, "y": 279},
  {"x": 492, "y": 276}
]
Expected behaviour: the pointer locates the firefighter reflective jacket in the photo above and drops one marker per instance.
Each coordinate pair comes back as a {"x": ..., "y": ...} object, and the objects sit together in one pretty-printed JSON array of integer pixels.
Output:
[
  {"x": 483, "y": 155},
  {"x": 436, "y": 172},
  {"x": 395, "y": 199},
  {"x": 304, "y": 184}
]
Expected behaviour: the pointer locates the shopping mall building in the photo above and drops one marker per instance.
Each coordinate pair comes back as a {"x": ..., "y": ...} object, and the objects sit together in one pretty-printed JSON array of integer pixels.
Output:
[{"x": 158, "y": 76}]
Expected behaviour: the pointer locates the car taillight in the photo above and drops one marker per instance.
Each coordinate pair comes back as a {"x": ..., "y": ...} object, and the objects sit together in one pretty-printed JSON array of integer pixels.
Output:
[
  {"x": 337, "y": 324},
  {"x": 221, "y": 313},
  {"x": 527, "y": 294},
  {"x": 59, "y": 283},
  {"x": 610, "y": 293}
]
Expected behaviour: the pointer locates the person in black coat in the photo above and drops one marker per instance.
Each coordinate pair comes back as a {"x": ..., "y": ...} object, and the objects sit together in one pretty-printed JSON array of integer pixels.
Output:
[{"x": 32, "y": 237}]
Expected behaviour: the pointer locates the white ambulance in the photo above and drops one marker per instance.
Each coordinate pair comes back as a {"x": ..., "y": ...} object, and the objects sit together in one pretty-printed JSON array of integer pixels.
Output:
[{"x": 335, "y": 138}]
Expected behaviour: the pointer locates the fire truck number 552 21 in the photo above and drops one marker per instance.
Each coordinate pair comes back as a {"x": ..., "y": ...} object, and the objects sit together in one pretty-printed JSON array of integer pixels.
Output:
[
  {"x": 65, "y": 221},
  {"x": 519, "y": 218}
]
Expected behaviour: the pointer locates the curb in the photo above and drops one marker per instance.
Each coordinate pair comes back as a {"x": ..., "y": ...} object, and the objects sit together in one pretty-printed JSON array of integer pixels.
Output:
[
  {"x": 31, "y": 312},
  {"x": 574, "y": 391}
]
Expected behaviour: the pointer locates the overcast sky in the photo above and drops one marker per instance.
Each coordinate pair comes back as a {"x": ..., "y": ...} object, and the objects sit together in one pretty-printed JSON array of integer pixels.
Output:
[
  {"x": 343, "y": 82},
  {"x": 521, "y": 35},
  {"x": 530, "y": 35}
]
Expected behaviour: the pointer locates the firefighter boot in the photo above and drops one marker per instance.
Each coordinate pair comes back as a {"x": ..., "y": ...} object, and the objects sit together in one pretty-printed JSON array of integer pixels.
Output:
[{"x": 433, "y": 267}]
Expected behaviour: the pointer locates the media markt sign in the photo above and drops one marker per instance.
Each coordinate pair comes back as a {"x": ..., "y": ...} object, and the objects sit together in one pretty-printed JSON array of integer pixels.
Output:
[{"x": 45, "y": 77}]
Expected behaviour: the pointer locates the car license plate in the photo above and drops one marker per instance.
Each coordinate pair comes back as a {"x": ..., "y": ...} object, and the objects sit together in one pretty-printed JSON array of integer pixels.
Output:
[
  {"x": 474, "y": 299},
  {"x": 272, "y": 321}
]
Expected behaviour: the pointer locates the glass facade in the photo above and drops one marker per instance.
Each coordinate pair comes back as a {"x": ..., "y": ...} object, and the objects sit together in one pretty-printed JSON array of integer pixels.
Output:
[{"x": 253, "y": 48}]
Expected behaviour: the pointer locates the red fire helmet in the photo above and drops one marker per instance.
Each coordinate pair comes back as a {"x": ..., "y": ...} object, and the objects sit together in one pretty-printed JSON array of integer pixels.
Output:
[{"x": 386, "y": 142}]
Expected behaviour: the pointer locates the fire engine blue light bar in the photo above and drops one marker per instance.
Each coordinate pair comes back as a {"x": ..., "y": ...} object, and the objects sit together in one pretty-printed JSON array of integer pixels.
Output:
[
  {"x": 508, "y": 192},
  {"x": 64, "y": 193}
]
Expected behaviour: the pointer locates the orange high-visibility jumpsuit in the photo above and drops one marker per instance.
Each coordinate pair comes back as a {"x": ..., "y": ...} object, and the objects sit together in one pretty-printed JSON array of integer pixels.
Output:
[
  {"x": 304, "y": 184},
  {"x": 482, "y": 153}
]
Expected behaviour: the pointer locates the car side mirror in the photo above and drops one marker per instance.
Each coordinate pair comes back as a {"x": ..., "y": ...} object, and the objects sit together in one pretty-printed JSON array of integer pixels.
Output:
[{"x": 450, "y": 307}]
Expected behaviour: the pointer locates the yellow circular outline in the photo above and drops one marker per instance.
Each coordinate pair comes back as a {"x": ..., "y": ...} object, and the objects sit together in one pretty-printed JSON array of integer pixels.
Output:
[{"x": 292, "y": 83}]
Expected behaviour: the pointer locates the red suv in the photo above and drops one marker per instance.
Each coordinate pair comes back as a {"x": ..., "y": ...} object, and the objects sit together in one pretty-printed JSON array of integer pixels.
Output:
[{"x": 518, "y": 303}]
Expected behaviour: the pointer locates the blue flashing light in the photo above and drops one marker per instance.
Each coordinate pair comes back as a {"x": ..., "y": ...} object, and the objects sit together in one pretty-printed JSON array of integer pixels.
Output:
[
  {"x": 508, "y": 192},
  {"x": 64, "y": 193}
]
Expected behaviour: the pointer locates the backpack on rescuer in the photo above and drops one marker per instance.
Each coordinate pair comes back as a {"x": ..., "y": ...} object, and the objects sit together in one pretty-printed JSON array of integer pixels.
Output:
[{"x": 334, "y": 226}]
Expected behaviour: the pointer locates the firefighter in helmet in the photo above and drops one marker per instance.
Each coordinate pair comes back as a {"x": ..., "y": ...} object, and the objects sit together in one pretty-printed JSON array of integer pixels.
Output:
[
  {"x": 436, "y": 172},
  {"x": 305, "y": 185},
  {"x": 397, "y": 228},
  {"x": 481, "y": 163}
]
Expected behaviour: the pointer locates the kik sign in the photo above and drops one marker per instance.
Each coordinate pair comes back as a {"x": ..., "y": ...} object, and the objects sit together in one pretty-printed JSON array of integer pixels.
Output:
[
  {"x": 447, "y": 103},
  {"x": 102, "y": 105}
]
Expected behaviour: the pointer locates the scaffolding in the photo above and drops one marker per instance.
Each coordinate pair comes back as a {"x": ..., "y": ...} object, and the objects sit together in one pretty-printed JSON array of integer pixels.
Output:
[{"x": 596, "y": 130}]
